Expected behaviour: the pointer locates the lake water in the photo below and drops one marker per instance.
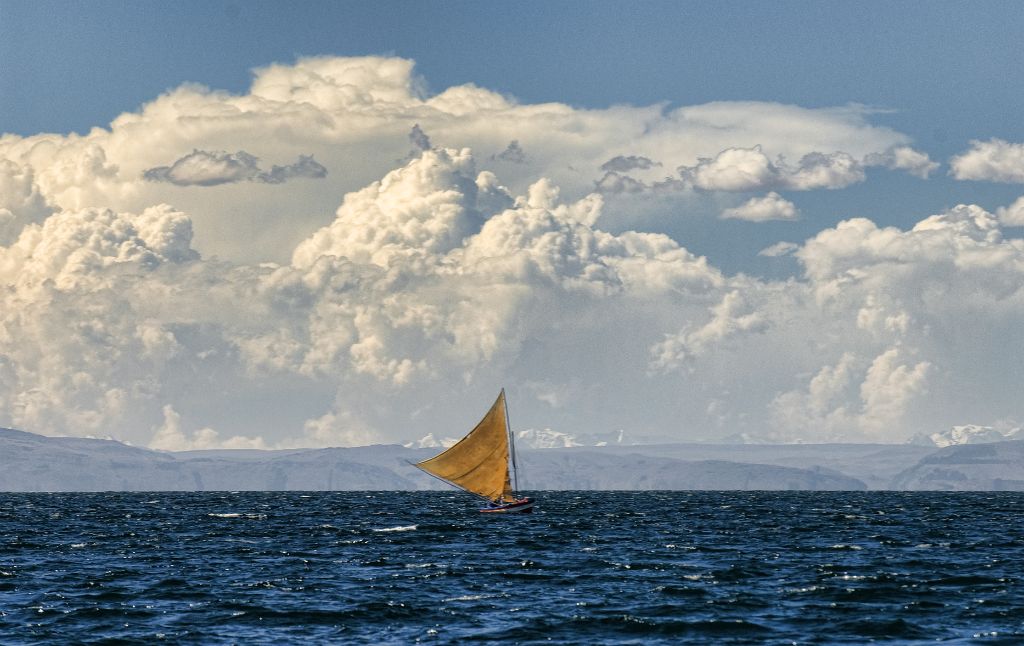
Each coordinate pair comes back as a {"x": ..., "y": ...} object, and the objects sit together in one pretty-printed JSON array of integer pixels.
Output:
[{"x": 587, "y": 567}]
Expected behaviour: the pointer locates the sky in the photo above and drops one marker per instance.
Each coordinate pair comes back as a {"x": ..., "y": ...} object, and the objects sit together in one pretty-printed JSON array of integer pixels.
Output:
[{"x": 229, "y": 224}]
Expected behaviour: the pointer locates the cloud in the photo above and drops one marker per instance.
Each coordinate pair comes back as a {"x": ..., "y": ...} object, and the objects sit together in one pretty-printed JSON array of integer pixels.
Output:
[
  {"x": 169, "y": 437},
  {"x": 1012, "y": 215},
  {"x": 903, "y": 158},
  {"x": 427, "y": 207},
  {"x": 419, "y": 139},
  {"x": 613, "y": 183},
  {"x": 887, "y": 388},
  {"x": 438, "y": 281},
  {"x": 779, "y": 249},
  {"x": 21, "y": 202},
  {"x": 357, "y": 113},
  {"x": 306, "y": 167},
  {"x": 994, "y": 160},
  {"x": 749, "y": 169},
  {"x": 825, "y": 411},
  {"x": 762, "y": 209},
  {"x": 733, "y": 316},
  {"x": 513, "y": 153},
  {"x": 624, "y": 164},
  {"x": 202, "y": 168},
  {"x": 113, "y": 316}
]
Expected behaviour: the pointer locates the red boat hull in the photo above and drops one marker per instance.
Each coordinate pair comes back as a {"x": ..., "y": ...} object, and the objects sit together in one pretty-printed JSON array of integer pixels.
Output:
[{"x": 522, "y": 505}]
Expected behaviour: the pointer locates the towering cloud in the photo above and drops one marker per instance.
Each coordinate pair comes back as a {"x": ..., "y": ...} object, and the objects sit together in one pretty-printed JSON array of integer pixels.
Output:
[
  {"x": 353, "y": 117},
  {"x": 246, "y": 314}
]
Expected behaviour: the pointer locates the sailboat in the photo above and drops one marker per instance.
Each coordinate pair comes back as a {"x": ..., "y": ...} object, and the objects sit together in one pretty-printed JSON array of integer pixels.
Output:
[{"x": 484, "y": 463}]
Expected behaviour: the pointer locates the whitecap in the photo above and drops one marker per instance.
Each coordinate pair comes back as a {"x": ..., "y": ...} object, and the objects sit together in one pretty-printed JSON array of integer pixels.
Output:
[
  {"x": 812, "y": 588},
  {"x": 400, "y": 528},
  {"x": 472, "y": 597}
]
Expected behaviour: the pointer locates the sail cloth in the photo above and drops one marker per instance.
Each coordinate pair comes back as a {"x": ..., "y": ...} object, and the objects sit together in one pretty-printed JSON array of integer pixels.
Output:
[{"x": 478, "y": 463}]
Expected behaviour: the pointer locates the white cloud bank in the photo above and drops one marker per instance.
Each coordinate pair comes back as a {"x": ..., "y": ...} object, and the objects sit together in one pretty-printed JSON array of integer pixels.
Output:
[
  {"x": 354, "y": 116},
  {"x": 440, "y": 280}
]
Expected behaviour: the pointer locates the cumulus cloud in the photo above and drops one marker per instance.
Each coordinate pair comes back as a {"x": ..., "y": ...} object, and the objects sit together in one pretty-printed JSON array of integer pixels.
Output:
[
  {"x": 419, "y": 139},
  {"x": 427, "y": 207},
  {"x": 450, "y": 277},
  {"x": 750, "y": 169},
  {"x": 203, "y": 168},
  {"x": 903, "y": 158},
  {"x": 827, "y": 411},
  {"x": 994, "y": 160},
  {"x": 169, "y": 436},
  {"x": 437, "y": 282},
  {"x": 626, "y": 163},
  {"x": 613, "y": 183},
  {"x": 21, "y": 202},
  {"x": 357, "y": 113},
  {"x": 733, "y": 316},
  {"x": 513, "y": 153},
  {"x": 762, "y": 209},
  {"x": 1012, "y": 215}
]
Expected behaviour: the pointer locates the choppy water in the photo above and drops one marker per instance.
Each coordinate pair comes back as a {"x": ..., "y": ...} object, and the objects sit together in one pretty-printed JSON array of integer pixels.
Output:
[{"x": 643, "y": 567}]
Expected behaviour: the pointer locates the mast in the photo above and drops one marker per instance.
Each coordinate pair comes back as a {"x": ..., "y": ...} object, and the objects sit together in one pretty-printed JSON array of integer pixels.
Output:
[
  {"x": 479, "y": 462},
  {"x": 511, "y": 446}
]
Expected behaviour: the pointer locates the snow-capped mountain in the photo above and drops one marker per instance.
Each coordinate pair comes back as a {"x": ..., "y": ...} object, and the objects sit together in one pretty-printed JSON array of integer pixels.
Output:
[
  {"x": 967, "y": 434},
  {"x": 547, "y": 439},
  {"x": 533, "y": 438},
  {"x": 428, "y": 441}
]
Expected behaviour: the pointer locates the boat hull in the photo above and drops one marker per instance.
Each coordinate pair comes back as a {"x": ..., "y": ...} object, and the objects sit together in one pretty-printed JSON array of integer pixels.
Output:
[{"x": 521, "y": 506}]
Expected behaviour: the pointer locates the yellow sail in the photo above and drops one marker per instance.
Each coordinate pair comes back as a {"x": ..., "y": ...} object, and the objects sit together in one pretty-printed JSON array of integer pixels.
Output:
[{"x": 478, "y": 463}]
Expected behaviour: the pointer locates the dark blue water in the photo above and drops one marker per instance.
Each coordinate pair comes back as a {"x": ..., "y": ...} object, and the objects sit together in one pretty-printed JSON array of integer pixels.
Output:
[{"x": 669, "y": 567}]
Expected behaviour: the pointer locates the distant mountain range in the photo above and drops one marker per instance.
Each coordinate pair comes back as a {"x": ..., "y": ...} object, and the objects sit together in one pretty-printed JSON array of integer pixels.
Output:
[
  {"x": 532, "y": 439},
  {"x": 30, "y": 462},
  {"x": 968, "y": 434}
]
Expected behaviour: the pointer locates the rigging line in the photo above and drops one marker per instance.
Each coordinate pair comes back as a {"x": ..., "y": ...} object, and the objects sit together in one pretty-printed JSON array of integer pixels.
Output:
[{"x": 511, "y": 445}]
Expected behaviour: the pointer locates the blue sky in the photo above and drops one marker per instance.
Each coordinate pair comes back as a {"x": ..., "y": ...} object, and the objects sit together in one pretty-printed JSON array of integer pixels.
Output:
[
  {"x": 944, "y": 73},
  {"x": 757, "y": 292},
  {"x": 944, "y": 67}
]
